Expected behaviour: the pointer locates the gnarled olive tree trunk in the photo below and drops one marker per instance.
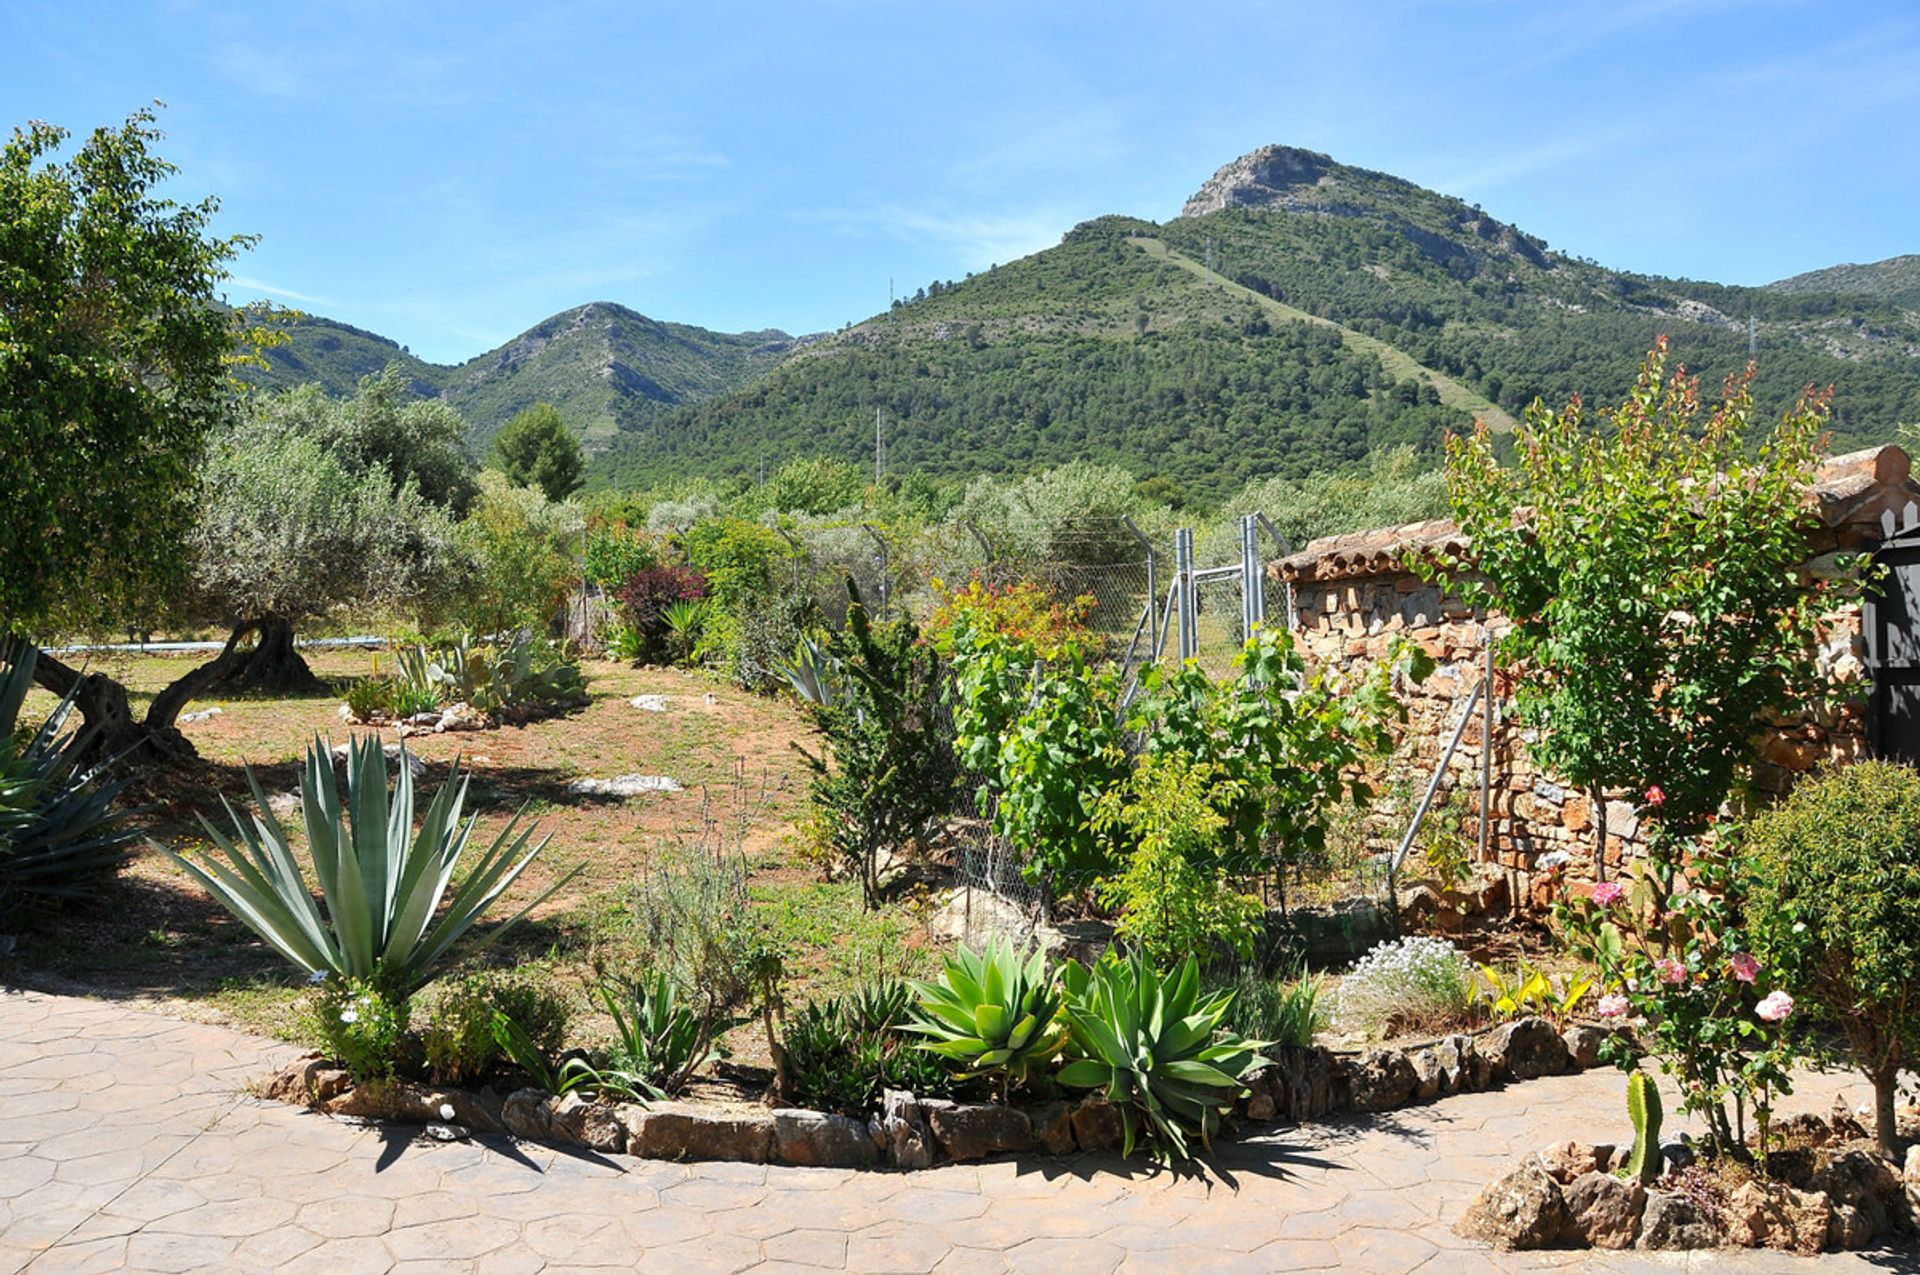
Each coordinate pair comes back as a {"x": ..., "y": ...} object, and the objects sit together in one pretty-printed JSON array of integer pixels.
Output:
[
  {"x": 274, "y": 664},
  {"x": 107, "y": 714}
]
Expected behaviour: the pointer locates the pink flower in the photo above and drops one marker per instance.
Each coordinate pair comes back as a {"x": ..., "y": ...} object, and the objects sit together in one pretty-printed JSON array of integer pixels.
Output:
[
  {"x": 1613, "y": 1005},
  {"x": 1608, "y": 893},
  {"x": 1671, "y": 971},
  {"x": 1745, "y": 966},
  {"x": 1656, "y": 796},
  {"x": 1774, "y": 1007}
]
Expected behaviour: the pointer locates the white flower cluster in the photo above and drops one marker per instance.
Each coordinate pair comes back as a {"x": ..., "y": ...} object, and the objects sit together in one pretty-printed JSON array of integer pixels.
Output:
[{"x": 1408, "y": 982}]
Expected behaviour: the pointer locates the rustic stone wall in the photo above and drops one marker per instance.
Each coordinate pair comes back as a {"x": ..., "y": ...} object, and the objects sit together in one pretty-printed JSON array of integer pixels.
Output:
[{"x": 1355, "y": 596}]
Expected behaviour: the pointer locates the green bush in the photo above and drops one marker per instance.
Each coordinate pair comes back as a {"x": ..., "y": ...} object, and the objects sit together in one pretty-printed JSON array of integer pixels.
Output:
[
  {"x": 522, "y": 546},
  {"x": 458, "y": 1032},
  {"x": 660, "y": 1039},
  {"x": 371, "y": 697},
  {"x": 842, "y": 1054},
  {"x": 883, "y": 778},
  {"x": 1285, "y": 1011},
  {"x": 361, "y": 1025},
  {"x": 1832, "y": 882}
]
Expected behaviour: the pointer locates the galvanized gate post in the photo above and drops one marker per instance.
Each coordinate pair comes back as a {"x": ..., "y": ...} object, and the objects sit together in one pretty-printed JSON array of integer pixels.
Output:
[{"x": 1189, "y": 603}]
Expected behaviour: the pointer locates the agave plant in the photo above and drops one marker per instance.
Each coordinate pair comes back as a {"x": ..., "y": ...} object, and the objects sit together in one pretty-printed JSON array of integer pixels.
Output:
[
  {"x": 813, "y": 672},
  {"x": 993, "y": 1014},
  {"x": 1157, "y": 1049},
  {"x": 383, "y": 884},
  {"x": 59, "y": 833}
]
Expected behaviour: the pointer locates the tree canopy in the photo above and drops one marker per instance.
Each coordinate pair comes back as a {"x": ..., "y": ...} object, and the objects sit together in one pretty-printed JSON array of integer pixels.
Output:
[
  {"x": 536, "y": 449},
  {"x": 113, "y": 371}
]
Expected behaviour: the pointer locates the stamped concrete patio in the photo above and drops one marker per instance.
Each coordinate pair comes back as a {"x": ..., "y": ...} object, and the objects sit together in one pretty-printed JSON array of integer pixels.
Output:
[{"x": 128, "y": 1141}]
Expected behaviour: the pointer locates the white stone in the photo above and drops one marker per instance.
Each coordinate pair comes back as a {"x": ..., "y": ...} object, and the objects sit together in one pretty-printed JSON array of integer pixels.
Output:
[
  {"x": 204, "y": 715},
  {"x": 649, "y": 703},
  {"x": 623, "y": 786}
]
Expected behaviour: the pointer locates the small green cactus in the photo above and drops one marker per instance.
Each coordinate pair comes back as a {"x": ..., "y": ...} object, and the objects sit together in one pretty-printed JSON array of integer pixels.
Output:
[{"x": 1643, "y": 1106}]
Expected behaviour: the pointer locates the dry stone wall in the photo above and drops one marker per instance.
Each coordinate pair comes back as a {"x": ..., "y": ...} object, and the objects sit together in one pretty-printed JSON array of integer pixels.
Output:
[{"x": 1355, "y": 596}]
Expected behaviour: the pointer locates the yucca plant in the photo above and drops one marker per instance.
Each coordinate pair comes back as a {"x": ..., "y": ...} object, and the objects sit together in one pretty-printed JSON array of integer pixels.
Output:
[
  {"x": 993, "y": 1014},
  {"x": 1156, "y": 1047},
  {"x": 660, "y": 1038},
  {"x": 60, "y": 836},
  {"x": 383, "y": 885}
]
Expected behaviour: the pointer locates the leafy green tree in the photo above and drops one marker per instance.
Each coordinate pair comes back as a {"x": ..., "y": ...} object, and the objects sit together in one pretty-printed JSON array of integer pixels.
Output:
[
  {"x": 1833, "y": 906},
  {"x": 536, "y": 449},
  {"x": 418, "y": 441},
  {"x": 1649, "y": 568},
  {"x": 113, "y": 371},
  {"x": 523, "y": 548}
]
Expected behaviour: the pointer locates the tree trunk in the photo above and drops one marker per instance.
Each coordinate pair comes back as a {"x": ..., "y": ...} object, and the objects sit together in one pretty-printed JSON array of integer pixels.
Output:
[
  {"x": 106, "y": 712},
  {"x": 1597, "y": 798},
  {"x": 274, "y": 664},
  {"x": 1886, "y": 1083}
]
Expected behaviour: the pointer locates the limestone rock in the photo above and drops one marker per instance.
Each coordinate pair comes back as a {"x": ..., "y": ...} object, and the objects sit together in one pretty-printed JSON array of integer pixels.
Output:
[
  {"x": 1052, "y": 1124},
  {"x": 1523, "y": 1210},
  {"x": 976, "y": 1130},
  {"x": 1583, "y": 1042},
  {"x": 527, "y": 1116},
  {"x": 677, "y": 1131},
  {"x": 1097, "y": 1126},
  {"x": 1463, "y": 1068},
  {"x": 1382, "y": 1080},
  {"x": 1676, "y": 1222},
  {"x": 1862, "y": 1183},
  {"x": 1603, "y": 1210},
  {"x": 1525, "y": 1049},
  {"x": 904, "y": 1125},
  {"x": 594, "y": 1125},
  {"x": 1781, "y": 1218},
  {"x": 822, "y": 1140},
  {"x": 1569, "y": 1160},
  {"x": 623, "y": 786}
]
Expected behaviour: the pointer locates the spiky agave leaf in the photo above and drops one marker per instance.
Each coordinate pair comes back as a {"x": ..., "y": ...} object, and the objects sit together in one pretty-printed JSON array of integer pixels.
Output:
[{"x": 392, "y": 903}]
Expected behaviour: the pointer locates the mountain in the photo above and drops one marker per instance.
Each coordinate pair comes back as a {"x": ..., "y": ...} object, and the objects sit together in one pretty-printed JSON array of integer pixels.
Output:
[
  {"x": 1297, "y": 314},
  {"x": 1895, "y": 280},
  {"x": 604, "y": 366}
]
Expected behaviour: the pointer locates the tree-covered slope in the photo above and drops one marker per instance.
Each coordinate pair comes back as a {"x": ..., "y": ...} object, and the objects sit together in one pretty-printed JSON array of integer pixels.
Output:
[
  {"x": 604, "y": 366},
  {"x": 1895, "y": 280}
]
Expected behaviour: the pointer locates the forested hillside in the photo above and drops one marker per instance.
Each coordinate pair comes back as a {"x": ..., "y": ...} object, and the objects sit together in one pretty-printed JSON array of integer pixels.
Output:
[{"x": 1297, "y": 315}]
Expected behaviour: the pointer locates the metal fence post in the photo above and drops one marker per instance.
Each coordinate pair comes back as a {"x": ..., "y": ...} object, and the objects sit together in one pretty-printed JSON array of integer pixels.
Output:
[
  {"x": 1286, "y": 551},
  {"x": 886, "y": 584},
  {"x": 1155, "y": 621},
  {"x": 1189, "y": 603}
]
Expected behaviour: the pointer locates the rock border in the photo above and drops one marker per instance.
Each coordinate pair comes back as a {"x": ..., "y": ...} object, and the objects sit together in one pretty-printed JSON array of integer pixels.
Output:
[
  {"x": 1835, "y": 1193},
  {"x": 1304, "y": 1083}
]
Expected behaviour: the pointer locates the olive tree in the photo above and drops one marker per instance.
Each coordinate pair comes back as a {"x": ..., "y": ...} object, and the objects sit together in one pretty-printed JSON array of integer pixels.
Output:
[{"x": 1832, "y": 904}]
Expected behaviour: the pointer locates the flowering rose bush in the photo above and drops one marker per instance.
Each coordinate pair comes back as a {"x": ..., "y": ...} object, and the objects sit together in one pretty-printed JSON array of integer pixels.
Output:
[{"x": 1671, "y": 954}]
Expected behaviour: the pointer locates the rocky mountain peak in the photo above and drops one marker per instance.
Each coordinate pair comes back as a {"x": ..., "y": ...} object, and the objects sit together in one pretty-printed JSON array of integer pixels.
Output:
[{"x": 1271, "y": 177}]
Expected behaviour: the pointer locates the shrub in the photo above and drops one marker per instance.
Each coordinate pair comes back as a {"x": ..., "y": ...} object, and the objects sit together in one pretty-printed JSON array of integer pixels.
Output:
[
  {"x": 60, "y": 836},
  {"x": 645, "y": 598},
  {"x": 371, "y": 698},
  {"x": 883, "y": 778},
  {"x": 1024, "y": 611},
  {"x": 616, "y": 554},
  {"x": 1174, "y": 895},
  {"x": 843, "y": 1053},
  {"x": 523, "y": 548},
  {"x": 1284, "y": 1011},
  {"x": 393, "y": 908},
  {"x": 1155, "y": 1047},
  {"x": 768, "y": 636},
  {"x": 458, "y": 1034},
  {"x": 1406, "y": 984},
  {"x": 1833, "y": 904},
  {"x": 660, "y": 1040},
  {"x": 361, "y": 1024}
]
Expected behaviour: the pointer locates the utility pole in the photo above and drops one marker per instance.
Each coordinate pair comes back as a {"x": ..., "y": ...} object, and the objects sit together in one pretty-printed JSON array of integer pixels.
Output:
[{"x": 879, "y": 449}]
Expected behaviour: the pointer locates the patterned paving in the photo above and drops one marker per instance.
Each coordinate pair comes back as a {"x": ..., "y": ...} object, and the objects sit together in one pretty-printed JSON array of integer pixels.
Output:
[{"x": 128, "y": 1142}]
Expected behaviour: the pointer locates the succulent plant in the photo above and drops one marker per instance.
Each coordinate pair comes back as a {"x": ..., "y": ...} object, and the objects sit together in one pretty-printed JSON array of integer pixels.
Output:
[
  {"x": 1643, "y": 1106},
  {"x": 994, "y": 1014}
]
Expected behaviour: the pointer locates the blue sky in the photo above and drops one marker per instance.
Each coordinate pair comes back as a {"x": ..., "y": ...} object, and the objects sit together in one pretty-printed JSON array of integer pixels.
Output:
[{"x": 450, "y": 174}]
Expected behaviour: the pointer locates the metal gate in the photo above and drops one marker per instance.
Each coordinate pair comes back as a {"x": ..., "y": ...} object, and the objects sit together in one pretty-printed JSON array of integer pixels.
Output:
[{"x": 1891, "y": 620}]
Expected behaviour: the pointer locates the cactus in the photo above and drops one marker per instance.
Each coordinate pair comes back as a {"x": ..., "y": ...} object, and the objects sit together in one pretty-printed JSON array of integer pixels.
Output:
[{"x": 1643, "y": 1105}]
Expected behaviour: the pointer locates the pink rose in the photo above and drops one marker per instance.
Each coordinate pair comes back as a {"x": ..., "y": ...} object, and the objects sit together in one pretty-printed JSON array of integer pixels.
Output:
[
  {"x": 1671, "y": 971},
  {"x": 1656, "y": 796},
  {"x": 1614, "y": 1005},
  {"x": 1774, "y": 1007},
  {"x": 1745, "y": 966},
  {"x": 1608, "y": 893}
]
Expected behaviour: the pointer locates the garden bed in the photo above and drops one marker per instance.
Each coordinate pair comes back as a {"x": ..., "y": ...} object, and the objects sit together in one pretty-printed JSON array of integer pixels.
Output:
[
  {"x": 909, "y": 1132},
  {"x": 463, "y": 716},
  {"x": 1824, "y": 1187}
]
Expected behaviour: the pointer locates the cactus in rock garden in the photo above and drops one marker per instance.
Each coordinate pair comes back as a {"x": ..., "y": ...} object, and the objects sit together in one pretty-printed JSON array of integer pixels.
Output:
[{"x": 1643, "y": 1105}]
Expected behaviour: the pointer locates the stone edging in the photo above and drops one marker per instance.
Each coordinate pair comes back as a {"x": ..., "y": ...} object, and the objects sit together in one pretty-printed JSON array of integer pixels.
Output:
[{"x": 1305, "y": 1083}]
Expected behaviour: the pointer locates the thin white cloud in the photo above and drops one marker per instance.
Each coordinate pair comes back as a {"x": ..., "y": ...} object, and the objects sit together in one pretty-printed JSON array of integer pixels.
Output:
[
  {"x": 974, "y": 239},
  {"x": 1495, "y": 171},
  {"x": 250, "y": 284}
]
